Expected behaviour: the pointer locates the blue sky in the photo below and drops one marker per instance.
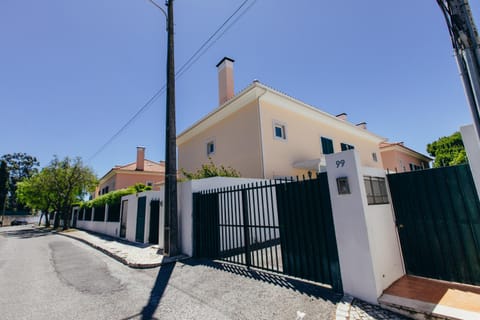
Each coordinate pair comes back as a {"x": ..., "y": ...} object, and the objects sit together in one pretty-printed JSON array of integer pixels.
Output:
[{"x": 73, "y": 72}]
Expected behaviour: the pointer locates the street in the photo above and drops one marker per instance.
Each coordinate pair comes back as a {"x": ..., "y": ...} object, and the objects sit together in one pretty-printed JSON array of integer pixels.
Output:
[{"x": 47, "y": 276}]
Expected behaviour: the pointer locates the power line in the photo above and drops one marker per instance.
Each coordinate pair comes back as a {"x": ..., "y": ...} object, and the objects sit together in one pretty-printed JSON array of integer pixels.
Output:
[{"x": 182, "y": 70}]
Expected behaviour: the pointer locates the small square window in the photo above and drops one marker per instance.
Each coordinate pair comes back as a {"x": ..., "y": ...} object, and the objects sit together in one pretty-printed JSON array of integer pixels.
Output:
[
  {"x": 376, "y": 190},
  {"x": 279, "y": 131},
  {"x": 149, "y": 184},
  {"x": 346, "y": 146},
  {"x": 210, "y": 148}
]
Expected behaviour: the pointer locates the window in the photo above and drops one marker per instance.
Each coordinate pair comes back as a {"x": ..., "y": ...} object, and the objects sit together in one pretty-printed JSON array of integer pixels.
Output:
[
  {"x": 210, "y": 147},
  {"x": 103, "y": 191},
  {"x": 149, "y": 184},
  {"x": 374, "y": 156},
  {"x": 327, "y": 145},
  {"x": 279, "y": 131},
  {"x": 414, "y": 167},
  {"x": 376, "y": 190},
  {"x": 345, "y": 146}
]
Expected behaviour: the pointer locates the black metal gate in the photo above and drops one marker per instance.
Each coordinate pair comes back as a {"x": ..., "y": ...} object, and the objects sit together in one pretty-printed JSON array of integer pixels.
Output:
[
  {"x": 140, "y": 227},
  {"x": 279, "y": 226},
  {"x": 154, "y": 221},
  {"x": 438, "y": 219}
]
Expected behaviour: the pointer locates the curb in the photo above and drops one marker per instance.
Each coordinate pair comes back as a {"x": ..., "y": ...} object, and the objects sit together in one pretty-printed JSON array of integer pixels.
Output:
[
  {"x": 166, "y": 260},
  {"x": 343, "y": 307}
]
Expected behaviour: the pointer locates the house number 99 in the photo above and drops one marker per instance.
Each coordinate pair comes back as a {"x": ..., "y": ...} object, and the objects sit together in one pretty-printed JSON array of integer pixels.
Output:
[{"x": 340, "y": 163}]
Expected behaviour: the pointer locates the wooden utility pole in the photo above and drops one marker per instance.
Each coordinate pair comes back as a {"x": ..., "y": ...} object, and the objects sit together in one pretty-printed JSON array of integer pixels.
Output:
[
  {"x": 466, "y": 43},
  {"x": 171, "y": 218}
]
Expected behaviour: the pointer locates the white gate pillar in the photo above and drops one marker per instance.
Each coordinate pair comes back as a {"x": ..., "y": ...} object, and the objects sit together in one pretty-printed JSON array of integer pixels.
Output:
[
  {"x": 367, "y": 242},
  {"x": 472, "y": 146}
]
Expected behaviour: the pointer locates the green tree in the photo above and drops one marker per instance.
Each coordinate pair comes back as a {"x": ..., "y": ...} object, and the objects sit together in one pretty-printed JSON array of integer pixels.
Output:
[
  {"x": 35, "y": 193},
  {"x": 209, "y": 170},
  {"x": 3, "y": 185},
  {"x": 448, "y": 151},
  {"x": 20, "y": 166},
  {"x": 70, "y": 180},
  {"x": 57, "y": 187}
]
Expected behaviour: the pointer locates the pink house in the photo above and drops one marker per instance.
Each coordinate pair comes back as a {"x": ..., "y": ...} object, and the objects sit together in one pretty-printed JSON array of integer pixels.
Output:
[
  {"x": 396, "y": 157},
  {"x": 144, "y": 171}
]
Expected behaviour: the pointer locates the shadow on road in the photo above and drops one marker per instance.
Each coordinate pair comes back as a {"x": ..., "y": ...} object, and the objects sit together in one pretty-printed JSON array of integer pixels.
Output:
[
  {"x": 27, "y": 233},
  {"x": 156, "y": 294},
  {"x": 302, "y": 287}
]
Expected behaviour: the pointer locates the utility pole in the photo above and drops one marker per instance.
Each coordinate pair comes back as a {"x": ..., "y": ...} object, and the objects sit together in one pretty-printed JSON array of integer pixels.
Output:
[
  {"x": 466, "y": 43},
  {"x": 171, "y": 218}
]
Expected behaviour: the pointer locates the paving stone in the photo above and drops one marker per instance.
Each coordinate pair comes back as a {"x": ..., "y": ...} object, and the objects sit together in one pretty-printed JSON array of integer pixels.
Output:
[{"x": 361, "y": 310}]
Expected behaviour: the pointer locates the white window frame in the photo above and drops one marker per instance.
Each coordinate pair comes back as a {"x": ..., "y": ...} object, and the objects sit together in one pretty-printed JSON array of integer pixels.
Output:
[{"x": 281, "y": 125}]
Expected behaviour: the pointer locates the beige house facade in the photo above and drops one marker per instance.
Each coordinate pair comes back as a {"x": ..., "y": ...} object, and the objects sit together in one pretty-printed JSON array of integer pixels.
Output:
[
  {"x": 264, "y": 133},
  {"x": 399, "y": 158},
  {"x": 150, "y": 173}
]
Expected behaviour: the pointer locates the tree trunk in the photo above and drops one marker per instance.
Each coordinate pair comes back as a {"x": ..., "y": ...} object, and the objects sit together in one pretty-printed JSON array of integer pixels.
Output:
[
  {"x": 40, "y": 220},
  {"x": 66, "y": 220},
  {"x": 56, "y": 220},
  {"x": 47, "y": 219}
]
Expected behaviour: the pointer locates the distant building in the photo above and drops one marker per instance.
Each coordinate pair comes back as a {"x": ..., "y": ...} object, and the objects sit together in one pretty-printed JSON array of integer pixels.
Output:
[
  {"x": 396, "y": 157},
  {"x": 264, "y": 133},
  {"x": 144, "y": 171}
]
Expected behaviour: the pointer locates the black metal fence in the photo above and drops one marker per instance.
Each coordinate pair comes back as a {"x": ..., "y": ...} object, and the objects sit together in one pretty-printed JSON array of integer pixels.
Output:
[
  {"x": 280, "y": 226},
  {"x": 88, "y": 214},
  {"x": 99, "y": 213},
  {"x": 113, "y": 212}
]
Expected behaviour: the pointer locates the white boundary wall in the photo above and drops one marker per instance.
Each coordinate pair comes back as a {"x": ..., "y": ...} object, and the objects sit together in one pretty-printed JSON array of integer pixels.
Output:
[
  {"x": 104, "y": 227},
  {"x": 367, "y": 241},
  {"x": 472, "y": 146},
  {"x": 132, "y": 215}
]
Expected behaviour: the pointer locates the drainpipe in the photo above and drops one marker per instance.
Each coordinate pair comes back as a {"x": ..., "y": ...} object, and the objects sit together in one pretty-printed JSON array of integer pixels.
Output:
[{"x": 260, "y": 127}]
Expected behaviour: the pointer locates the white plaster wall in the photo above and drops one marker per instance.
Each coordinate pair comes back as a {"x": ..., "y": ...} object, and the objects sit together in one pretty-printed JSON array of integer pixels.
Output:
[
  {"x": 383, "y": 238},
  {"x": 369, "y": 253},
  {"x": 108, "y": 228},
  {"x": 185, "y": 205},
  {"x": 131, "y": 217},
  {"x": 472, "y": 146},
  {"x": 104, "y": 227},
  {"x": 354, "y": 252},
  {"x": 185, "y": 217}
]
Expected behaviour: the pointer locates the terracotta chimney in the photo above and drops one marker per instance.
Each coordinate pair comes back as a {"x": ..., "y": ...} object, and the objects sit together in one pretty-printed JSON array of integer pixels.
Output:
[
  {"x": 225, "y": 80},
  {"x": 140, "y": 158},
  {"x": 362, "y": 125},
  {"x": 342, "y": 116}
]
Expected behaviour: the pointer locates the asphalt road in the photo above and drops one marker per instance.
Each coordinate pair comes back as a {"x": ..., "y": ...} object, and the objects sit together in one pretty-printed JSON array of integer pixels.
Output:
[{"x": 48, "y": 276}]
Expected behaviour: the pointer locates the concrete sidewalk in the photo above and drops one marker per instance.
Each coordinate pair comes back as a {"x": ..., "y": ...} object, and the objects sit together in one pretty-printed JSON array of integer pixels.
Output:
[{"x": 132, "y": 254}]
